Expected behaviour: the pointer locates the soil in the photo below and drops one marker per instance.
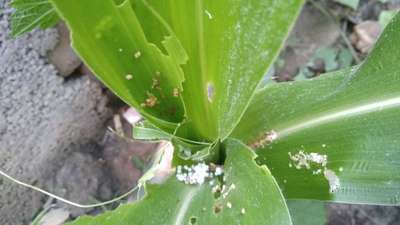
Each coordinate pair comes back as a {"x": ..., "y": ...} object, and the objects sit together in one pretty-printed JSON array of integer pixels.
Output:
[
  {"x": 44, "y": 118},
  {"x": 54, "y": 115},
  {"x": 347, "y": 214}
]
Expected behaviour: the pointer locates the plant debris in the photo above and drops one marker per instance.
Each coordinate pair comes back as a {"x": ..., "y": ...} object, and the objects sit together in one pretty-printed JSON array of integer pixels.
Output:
[
  {"x": 303, "y": 160},
  {"x": 151, "y": 101},
  {"x": 129, "y": 76},
  {"x": 156, "y": 84},
  {"x": 334, "y": 182},
  {"x": 137, "y": 54},
  {"x": 265, "y": 139},
  {"x": 175, "y": 92},
  {"x": 197, "y": 174}
]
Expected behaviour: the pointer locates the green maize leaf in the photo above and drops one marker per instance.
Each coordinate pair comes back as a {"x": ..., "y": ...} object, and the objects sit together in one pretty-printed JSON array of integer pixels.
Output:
[
  {"x": 305, "y": 212},
  {"x": 386, "y": 16},
  {"x": 146, "y": 131},
  {"x": 350, "y": 116},
  {"x": 186, "y": 151},
  {"x": 149, "y": 134},
  {"x": 177, "y": 203},
  {"x": 229, "y": 45},
  {"x": 31, "y": 14},
  {"x": 112, "y": 42}
]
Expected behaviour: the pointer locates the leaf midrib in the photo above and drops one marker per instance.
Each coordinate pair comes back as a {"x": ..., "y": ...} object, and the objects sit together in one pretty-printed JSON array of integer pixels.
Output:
[
  {"x": 184, "y": 206},
  {"x": 337, "y": 115},
  {"x": 202, "y": 56}
]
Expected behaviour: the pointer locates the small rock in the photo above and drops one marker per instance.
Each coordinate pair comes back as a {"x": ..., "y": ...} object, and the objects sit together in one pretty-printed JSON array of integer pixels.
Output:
[
  {"x": 63, "y": 56},
  {"x": 365, "y": 35},
  {"x": 55, "y": 217}
]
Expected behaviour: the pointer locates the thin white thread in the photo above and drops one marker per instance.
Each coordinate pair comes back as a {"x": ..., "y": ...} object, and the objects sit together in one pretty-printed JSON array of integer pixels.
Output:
[{"x": 63, "y": 199}]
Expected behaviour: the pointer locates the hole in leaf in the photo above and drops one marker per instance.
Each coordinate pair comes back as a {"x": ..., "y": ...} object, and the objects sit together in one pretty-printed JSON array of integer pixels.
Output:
[
  {"x": 193, "y": 220},
  {"x": 217, "y": 208},
  {"x": 217, "y": 192}
]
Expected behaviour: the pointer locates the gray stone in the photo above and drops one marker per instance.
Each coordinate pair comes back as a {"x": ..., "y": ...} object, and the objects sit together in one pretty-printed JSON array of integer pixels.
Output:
[
  {"x": 63, "y": 56},
  {"x": 41, "y": 117},
  {"x": 365, "y": 35}
]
